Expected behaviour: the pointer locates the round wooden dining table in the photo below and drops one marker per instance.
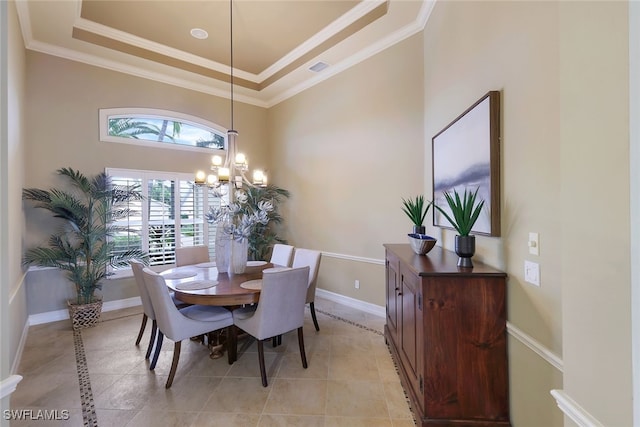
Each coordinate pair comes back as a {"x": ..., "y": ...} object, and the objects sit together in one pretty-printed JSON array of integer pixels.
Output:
[
  {"x": 219, "y": 289},
  {"x": 203, "y": 284}
]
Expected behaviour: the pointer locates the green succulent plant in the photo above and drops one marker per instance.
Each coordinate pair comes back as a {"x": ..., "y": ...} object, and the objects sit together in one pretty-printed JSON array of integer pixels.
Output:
[
  {"x": 464, "y": 209},
  {"x": 416, "y": 209}
]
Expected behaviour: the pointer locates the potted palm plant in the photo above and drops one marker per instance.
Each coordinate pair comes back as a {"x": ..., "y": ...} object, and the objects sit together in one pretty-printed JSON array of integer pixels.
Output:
[
  {"x": 416, "y": 210},
  {"x": 83, "y": 246},
  {"x": 465, "y": 211}
]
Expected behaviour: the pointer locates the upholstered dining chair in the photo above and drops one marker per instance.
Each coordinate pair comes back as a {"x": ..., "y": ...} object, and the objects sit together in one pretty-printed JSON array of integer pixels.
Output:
[
  {"x": 147, "y": 308},
  {"x": 310, "y": 258},
  {"x": 190, "y": 255},
  {"x": 280, "y": 309},
  {"x": 178, "y": 325},
  {"x": 281, "y": 255}
]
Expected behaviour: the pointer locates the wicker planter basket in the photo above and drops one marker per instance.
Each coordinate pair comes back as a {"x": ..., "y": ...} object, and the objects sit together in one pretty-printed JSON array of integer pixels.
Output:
[{"x": 84, "y": 315}]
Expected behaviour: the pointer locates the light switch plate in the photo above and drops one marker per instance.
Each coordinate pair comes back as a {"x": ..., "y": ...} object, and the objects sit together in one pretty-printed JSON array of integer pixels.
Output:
[
  {"x": 534, "y": 244},
  {"x": 532, "y": 273}
]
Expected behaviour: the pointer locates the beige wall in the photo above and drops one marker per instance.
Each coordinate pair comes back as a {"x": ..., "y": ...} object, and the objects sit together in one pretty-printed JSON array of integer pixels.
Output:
[
  {"x": 471, "y": 48},
  {"x": 349, "y": 149},
  {"x": 518, "y": 55},
  {"x": 562, "y": 71},
  {"x": 13, "y": 306},
  {"x": 63, "y": 98},
  {"x": 594, "y": 135},
  {"x": 553, "y": 160}
]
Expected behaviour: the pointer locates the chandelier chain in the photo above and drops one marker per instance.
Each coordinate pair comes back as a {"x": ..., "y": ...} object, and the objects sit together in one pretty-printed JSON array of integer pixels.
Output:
[{"x": 231, "y": 56}]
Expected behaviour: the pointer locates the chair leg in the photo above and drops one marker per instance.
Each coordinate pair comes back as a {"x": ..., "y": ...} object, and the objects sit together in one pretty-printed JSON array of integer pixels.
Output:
[
  {"x": 276, "y": 341},
  {"x": 301, "y": 345},
  {"x": 152, "y": 339},
  {"x": 263, "y": 371},
  {"x": 174, "y": 364},
  {"x": 313, "y": 315},
  {"x": 142, "y": 326},
  {"x": 157, "y": 352},
  {"x": 232, "y": 344}
]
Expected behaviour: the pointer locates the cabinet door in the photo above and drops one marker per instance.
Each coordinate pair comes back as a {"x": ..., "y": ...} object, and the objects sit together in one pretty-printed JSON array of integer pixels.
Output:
[
  {"x": 411, "y": 341},
  {"x": 393, "y": 298}
]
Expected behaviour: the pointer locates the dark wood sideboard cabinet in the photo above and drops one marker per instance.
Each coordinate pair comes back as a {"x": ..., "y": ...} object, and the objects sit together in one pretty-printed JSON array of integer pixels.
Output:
[{"x": 446, "y": 329}]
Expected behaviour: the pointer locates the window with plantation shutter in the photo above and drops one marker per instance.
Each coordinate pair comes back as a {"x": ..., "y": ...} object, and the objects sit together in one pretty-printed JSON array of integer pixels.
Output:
[
  {"x": 125, "y": 241},
  {"x": 162, "y": 221},
  {"x": 170, "y": 215}
]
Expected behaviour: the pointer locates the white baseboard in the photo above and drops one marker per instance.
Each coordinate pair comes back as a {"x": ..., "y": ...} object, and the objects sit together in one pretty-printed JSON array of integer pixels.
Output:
[
  {"x": 54, "y": 316},
  {"x": 23, "y": 341},
  {"x": 352, "y": 302},
  {"x": 573, "y": 410}
]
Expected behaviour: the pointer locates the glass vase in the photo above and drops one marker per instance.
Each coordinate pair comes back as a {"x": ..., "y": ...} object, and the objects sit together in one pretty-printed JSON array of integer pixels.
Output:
[
  {"x": 239, "y": 253},
  {"x": 223, "y": 249}
]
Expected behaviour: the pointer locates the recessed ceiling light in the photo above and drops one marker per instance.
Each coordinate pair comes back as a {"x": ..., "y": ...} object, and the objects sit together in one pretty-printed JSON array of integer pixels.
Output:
[
  {"x": 199, "y": 33},
  {"x": 318, "y": 66}
]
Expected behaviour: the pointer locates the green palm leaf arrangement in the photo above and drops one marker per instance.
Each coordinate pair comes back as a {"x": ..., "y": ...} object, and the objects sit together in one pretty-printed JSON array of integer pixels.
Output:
[
  {"x": 464, "y": 209},
  {"x": 416, "y": 209},
  {"x": 264, "y": 236},
  {"x": 82, "y": 247}
]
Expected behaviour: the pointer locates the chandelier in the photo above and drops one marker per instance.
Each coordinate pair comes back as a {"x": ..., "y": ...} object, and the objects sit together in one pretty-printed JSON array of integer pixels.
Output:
[{"x": 232, "y": 169}]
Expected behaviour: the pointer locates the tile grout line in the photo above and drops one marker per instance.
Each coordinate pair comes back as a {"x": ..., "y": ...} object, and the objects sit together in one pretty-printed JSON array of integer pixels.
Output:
[
  {"x": 336, "y": 317},
  {"x": 351, "y": 322},
  {"x": 86, "y": 394}
]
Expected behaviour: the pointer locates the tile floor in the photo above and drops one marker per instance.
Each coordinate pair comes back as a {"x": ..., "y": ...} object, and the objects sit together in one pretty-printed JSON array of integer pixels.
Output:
[{"x": 351, "y": 379}]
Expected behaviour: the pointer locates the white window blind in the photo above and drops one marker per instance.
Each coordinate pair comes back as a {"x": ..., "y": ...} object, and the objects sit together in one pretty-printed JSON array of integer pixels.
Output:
[{"x": 170, "y": 215}]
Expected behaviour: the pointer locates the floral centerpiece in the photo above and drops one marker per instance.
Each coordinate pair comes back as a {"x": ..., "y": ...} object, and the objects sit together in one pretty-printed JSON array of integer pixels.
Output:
[
  {"x": 244, "y": 226},
  {"x": 239, "y": 218}
]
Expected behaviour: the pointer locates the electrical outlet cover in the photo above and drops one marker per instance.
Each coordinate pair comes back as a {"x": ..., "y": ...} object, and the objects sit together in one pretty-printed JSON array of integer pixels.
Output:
[{"x": 532, "y": 273}]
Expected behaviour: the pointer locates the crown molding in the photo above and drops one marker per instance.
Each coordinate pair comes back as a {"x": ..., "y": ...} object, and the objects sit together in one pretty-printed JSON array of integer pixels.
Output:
[{"x": 208, "y": 85}]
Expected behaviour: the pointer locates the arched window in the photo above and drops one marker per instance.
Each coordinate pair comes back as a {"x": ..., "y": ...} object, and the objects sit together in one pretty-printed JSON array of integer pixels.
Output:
[{"x": 161, "y": 128}]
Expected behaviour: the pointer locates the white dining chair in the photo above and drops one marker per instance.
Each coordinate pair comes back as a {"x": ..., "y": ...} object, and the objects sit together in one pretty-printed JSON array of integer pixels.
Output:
[
  {"x": 310, "y": 258},
  {"x": 280, "y": 310},
  {"x": 281, "y": 254},
  {"x": 147, "y": 308},
  {"x": 190, "y": 255},
  {"x": 178, "y": 325}
]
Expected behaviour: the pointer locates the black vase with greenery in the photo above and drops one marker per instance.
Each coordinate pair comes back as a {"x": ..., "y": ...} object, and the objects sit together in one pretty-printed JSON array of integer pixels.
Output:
[
  {"x": 465, "y": 211},
  {"x": 83, "y": 246}
]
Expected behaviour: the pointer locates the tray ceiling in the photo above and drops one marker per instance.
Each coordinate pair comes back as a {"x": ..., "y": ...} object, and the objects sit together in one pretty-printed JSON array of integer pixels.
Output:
[{"x": 275, "y": 42}]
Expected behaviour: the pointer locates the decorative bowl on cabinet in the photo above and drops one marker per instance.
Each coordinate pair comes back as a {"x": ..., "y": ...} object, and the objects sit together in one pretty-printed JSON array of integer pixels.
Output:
[{"x": 421, "y": 243}]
